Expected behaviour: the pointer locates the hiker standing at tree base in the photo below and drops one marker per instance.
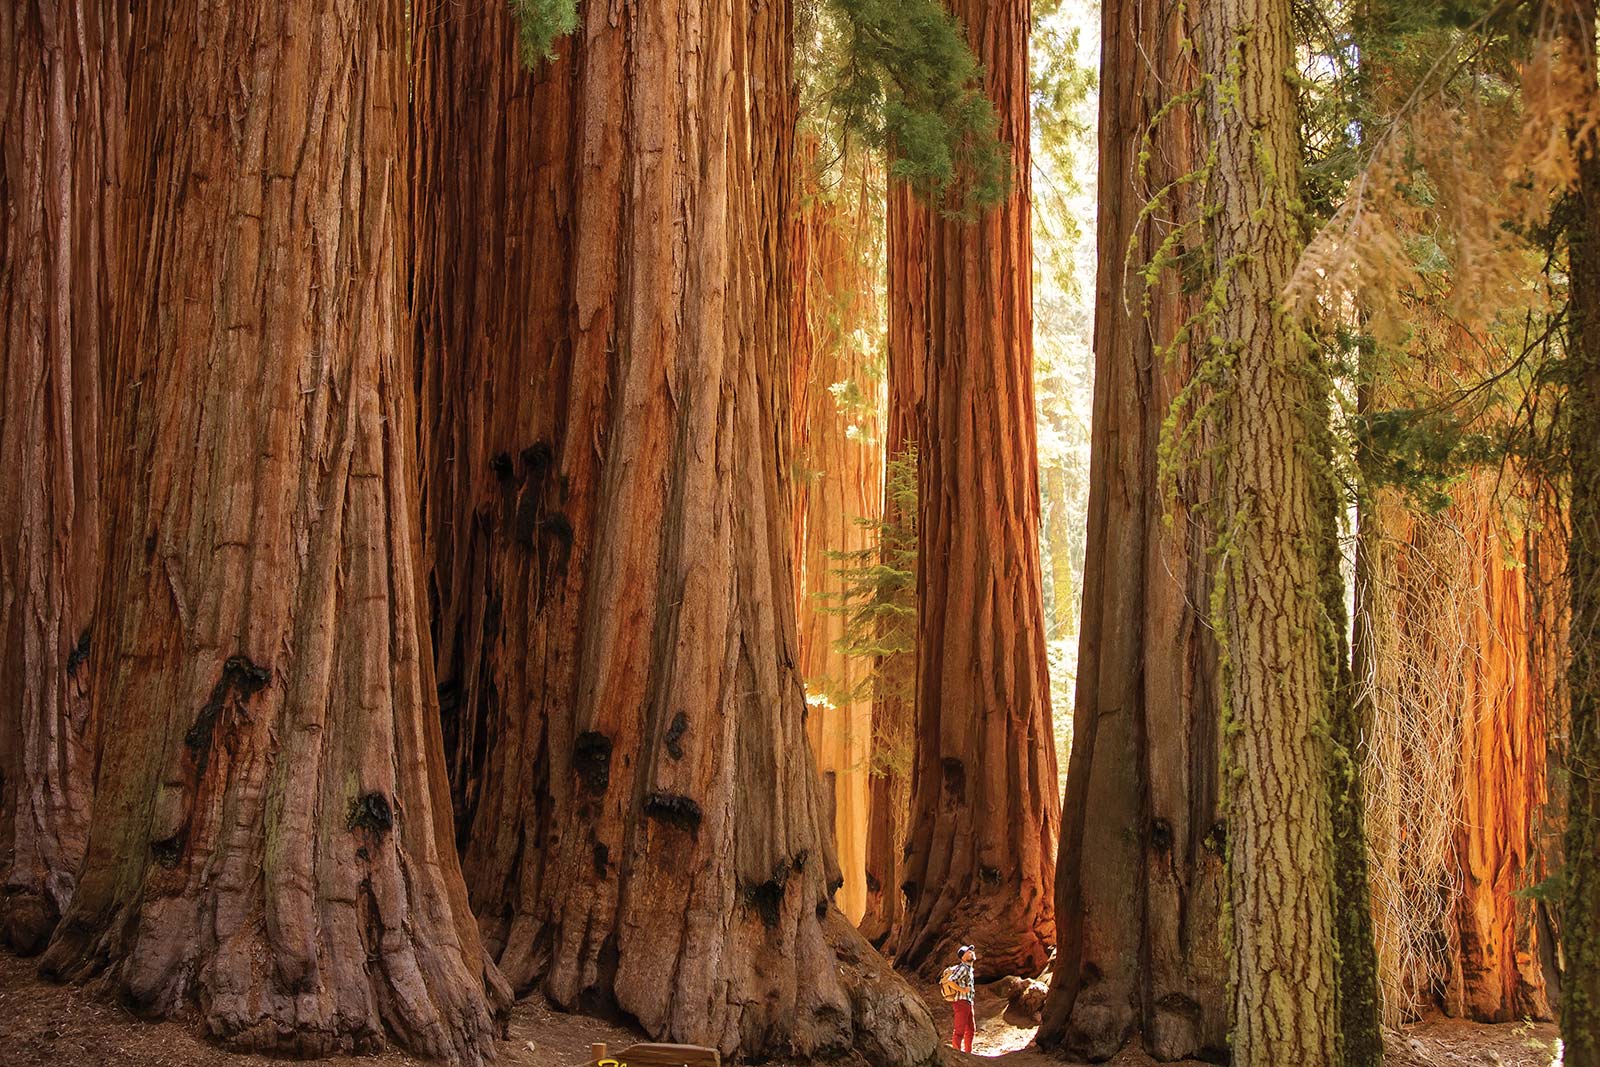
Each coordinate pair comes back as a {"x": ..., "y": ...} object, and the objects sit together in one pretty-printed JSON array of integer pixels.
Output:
[{"x": 958, "y": 985}]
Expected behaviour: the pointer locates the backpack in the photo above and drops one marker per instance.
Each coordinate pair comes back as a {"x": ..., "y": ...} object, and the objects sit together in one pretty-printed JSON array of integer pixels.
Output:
[{"x": 949, "y": 988}]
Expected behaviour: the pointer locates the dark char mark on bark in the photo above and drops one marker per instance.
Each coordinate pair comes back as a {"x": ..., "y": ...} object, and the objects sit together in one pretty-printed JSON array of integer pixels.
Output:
[
  {"x": 241, "y": 679},
  {"x": 673, "y": 809},
  {"x": 591, "y": 758}
]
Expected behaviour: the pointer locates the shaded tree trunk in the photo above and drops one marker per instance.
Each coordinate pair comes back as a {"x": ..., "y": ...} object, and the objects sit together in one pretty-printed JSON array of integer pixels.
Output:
[
  {"x": 1356, "y": 960},
  {"x": 1580, "y": 985},
  {"x": 606, "y": 426},
  {"x": 894, "y": 704},
  {"x": 984, "y": 794},
  {"x": 61, "y": 114},
  {"x": 1544, "y": 546},
  {"x": 1140, "y": 884},
  {"x": 269, "y": 838},
  {"x": 838, "y": 498},
  {"x": 1275, "y": 683}
]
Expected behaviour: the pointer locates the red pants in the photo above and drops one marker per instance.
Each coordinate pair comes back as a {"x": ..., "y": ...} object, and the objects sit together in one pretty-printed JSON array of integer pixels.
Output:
[{"x": 964, "y": 1027}]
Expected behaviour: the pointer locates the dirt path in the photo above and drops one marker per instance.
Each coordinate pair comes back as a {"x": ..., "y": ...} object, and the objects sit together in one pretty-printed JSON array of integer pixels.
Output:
[{"x": 45, "y": 1025}]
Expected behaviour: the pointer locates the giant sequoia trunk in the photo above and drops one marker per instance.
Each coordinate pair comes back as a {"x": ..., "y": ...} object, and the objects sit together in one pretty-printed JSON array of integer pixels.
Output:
[
  {"x": 894, "y": 702},
  {"x": 270, "y": 840},
  {"x": 984, "y": 807},
  {"x": 61, "y": 111},
  {"x": 839, "y": 459},
  {"x": 1277, "y": 762},
  {"x": 1140, "y": 885},
  {"x": 603, "y": 327}
]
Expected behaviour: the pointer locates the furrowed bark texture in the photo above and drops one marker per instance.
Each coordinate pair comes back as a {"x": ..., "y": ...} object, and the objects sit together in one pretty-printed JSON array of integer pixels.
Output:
[
  {"x": 894, "y": 705},
  {"x": 1502, "y": 786},
  {"x": 1139, "y": 888},
  {"x": 1280, "y": 868},
  {"x": 984, "y": 796},
  {"x": 270, "y": 839},
  {"x": 1580, "y": 986},
  {"x": 837, "y": 405},
  {"x": 61, "y": 115},
  {"x": 603, "y": 320}
]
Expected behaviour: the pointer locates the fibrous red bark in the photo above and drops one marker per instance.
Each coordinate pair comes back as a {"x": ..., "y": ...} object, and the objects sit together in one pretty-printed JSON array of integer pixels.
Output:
[
  {"x": 602, "y": 294},
  {"x": 61, "y": 114},
  {"x": 270, "y": 841},
  {"x": 1502, "y": 789},
  {"x": 980, "y": 867},
  {"x": 1140, "y": 885}
]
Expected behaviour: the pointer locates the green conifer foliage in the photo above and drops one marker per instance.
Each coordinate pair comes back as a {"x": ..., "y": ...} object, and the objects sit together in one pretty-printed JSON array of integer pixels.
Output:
[
  {"x": 878, "y": 591},
  {"x": 895, "y": 73},
  {"x": 539, "y": 23}
]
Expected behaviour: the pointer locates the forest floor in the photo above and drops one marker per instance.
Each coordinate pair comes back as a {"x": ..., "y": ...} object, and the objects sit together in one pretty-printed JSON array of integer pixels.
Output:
[{"x": 47, "y": 1025}]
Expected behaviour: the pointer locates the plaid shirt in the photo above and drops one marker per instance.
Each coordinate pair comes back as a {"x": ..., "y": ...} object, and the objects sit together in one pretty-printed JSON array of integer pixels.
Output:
[{"x": 964, "y": 979}]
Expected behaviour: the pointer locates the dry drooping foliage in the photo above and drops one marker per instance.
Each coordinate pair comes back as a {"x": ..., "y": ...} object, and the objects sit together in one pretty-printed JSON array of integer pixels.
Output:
[{"x": 1468, "y": 163}]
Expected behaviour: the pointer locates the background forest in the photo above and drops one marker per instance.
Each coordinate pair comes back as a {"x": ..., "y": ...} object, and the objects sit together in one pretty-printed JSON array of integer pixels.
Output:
[{"x": 686, "y": 513}]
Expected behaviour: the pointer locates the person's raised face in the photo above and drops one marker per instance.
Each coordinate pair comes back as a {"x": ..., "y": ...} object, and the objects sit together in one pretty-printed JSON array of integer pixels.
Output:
[{"x": 969, "y": 956}]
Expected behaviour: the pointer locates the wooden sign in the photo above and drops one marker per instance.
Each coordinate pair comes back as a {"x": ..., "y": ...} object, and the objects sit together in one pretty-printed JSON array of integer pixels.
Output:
[{"x": 657, "y": 1055}]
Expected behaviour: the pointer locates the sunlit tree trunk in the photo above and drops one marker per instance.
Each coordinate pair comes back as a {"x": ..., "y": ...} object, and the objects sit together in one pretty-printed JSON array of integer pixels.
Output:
[
  {"x": 984, "y": 803},
  {"x": 894, "y": 703},
  {"x": 1140, "y": 883},
  {"x": 270, "y": 842},
  {"x": 1058, "y": 536},
  {"x": 1277, "y": 758},
  {"x": 61, "y": 117},
  {"x": 602, "y": 298},
  {"x": 1498, "y": 976},
  {"x": 839, "y": 459}
]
